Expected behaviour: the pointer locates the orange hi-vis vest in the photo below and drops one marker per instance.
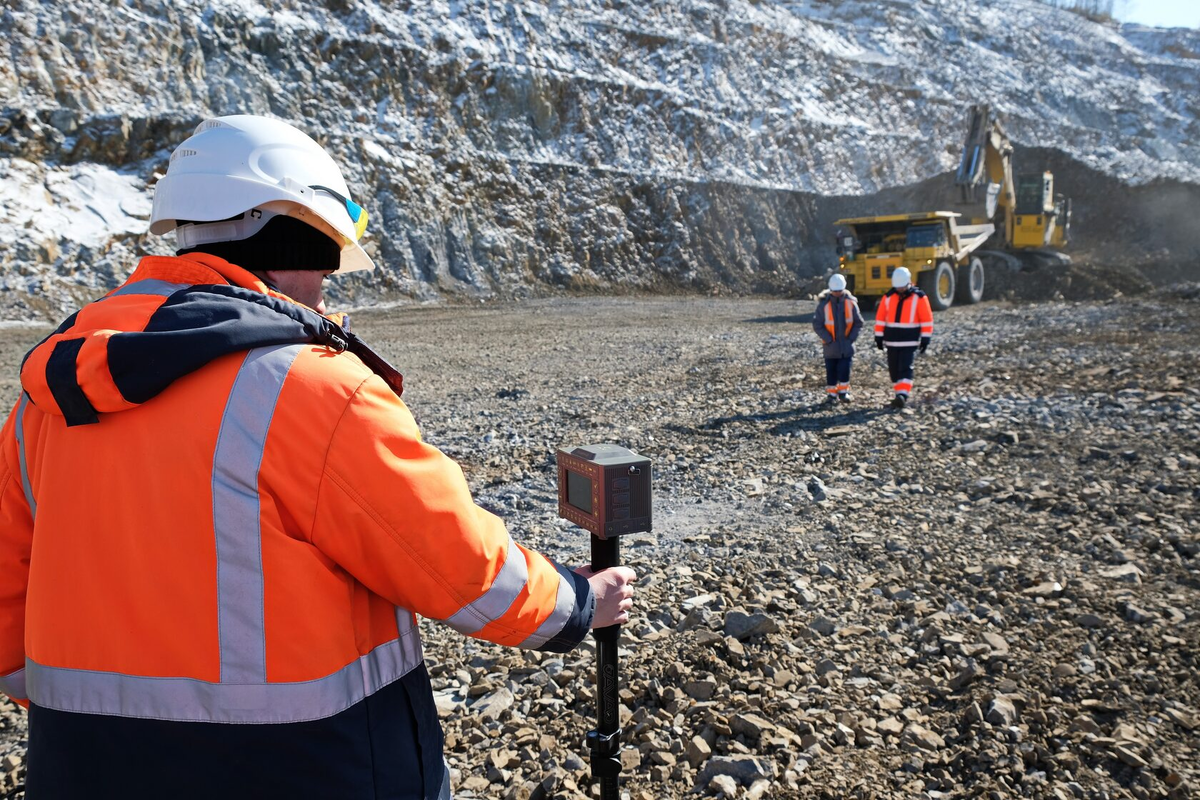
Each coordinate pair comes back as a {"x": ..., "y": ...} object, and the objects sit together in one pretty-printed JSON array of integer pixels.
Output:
[
  {"x": 904, "y": 320},
  {"x": 847, "y": 316},
  {"x": 212, "y": 510}
]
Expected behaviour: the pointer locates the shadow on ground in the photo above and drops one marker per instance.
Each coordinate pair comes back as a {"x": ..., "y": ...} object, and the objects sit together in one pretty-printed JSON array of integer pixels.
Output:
[
  {"x": 802, "y": 418},
  {"x": 799, "y": 319}
]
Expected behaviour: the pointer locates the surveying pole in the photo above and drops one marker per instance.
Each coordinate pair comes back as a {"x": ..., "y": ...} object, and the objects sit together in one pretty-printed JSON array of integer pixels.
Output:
[
  {"x": 605, "y": 489},
  {"x": 605, "y": 740}
]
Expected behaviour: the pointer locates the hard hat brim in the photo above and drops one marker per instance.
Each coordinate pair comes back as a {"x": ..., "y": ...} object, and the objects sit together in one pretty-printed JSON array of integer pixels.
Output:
[{"x": 196, "y": 204}]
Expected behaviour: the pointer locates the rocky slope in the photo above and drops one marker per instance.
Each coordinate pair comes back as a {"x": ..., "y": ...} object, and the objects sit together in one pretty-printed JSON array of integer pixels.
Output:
[{"x": 619, "y": 145}]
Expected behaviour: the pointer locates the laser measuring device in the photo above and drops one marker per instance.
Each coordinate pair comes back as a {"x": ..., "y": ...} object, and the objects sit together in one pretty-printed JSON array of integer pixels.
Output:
[{"x": 604, "y": 489}]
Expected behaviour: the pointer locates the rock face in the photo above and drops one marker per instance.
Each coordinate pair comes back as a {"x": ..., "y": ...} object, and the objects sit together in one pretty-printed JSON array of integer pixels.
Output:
[{"x": 516, "y": 147}]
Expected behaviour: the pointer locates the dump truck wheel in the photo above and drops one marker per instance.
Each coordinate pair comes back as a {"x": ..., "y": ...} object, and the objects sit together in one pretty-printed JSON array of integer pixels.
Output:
[
  {"x": 970, "y": 282},
  {"x": 938, "y": 283}
]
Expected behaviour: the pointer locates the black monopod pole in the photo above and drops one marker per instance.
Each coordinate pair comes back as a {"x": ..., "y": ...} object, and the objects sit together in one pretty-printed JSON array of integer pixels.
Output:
[{"x": 605, "y": 741}]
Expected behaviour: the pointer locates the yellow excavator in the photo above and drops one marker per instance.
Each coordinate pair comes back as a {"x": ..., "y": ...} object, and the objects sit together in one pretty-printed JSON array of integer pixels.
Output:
[
  {"x": 1024, "y": 207},
  {"x": 942, "y": 249}
]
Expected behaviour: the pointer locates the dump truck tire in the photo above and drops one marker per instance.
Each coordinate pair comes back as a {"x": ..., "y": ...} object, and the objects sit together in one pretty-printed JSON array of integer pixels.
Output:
[
  {"x": 970, "y": 282},
  {"x": 939, "y": 284}
]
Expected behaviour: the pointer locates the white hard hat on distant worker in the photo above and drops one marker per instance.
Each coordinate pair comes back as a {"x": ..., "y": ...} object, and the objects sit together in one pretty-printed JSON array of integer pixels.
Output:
[
  {"x": 901, "y": 278},
  {"x": 231, "y": 166},
  {"x": 837, "y": 282}
]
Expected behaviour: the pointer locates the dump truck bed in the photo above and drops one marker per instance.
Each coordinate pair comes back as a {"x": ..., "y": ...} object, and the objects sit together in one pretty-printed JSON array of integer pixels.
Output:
[{"x": 970, "y": 237}]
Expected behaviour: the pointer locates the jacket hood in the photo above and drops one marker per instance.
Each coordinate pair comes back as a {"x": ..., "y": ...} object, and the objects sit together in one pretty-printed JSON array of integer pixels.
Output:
[
  {"x": 845, "y": 294},
  {"x": 173, "y": 316}
]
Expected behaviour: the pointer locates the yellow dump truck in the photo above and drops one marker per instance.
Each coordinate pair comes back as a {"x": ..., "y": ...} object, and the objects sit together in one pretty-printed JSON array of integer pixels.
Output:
[
  {"x": 1019, "y": 212},
  {"x": 935, "y": 247}
]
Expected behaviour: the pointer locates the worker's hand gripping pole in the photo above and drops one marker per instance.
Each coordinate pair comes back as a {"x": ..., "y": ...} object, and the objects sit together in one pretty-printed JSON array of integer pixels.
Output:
[{"x": 605, "y": 740}]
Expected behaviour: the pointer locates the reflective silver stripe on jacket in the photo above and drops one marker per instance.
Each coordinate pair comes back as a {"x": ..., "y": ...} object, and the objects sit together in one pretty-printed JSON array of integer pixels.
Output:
[
  {"x": 240, "y": 445},
  {"x": 499, "y": 597},
  {"x": 149, "y": 286},
  {"x": 13, "y": 684},
  {"x": 190, "y": 700},
  {"x": 19, "y": 428},
  {"x": 554, "y": 624}
]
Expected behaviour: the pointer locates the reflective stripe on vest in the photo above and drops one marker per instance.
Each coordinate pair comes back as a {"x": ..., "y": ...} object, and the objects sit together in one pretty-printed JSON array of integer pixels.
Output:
[
  {"x": 190, "y": 700},
  {"x": 240, "y": 444},
  {"x": 563, "y": 606},
  {"x": 499, "y": 597},
  {"x": 847, "y": 317},
  {"x": 19, "y": 429},
  {"x": 242, "y": 694},
  {"x": 149, "y": 286}
]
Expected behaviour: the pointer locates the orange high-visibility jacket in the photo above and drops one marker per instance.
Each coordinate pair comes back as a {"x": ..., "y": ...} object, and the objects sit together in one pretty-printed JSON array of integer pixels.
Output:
[
  {"x": 211, "y": 511},
  {"x": 904, "y": 320}
]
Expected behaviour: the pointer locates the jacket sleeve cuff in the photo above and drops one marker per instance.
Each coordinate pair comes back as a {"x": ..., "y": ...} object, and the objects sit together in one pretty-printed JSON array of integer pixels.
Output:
[
  {"x": 580, "y": 621},
  {"x": 13, "y": 685}
]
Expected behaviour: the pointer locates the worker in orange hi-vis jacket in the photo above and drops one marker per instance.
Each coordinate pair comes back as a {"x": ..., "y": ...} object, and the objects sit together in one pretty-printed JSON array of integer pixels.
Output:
[
  {"x": 903, "y": 325},
  {"x": 219, "y": 522}
]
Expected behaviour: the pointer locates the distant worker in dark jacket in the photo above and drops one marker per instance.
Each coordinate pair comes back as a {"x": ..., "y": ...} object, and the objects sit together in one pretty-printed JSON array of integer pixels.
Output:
[
  {"x": 837, "y": 321},
  {"x": 903, "y": 324}
]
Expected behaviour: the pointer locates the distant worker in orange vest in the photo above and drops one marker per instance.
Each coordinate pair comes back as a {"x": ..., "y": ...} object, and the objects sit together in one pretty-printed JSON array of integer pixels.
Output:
[
  {"x": 837, "y": 321},
  {"x": 219, "y": 521},
  {"x": 903, "y": 325}
]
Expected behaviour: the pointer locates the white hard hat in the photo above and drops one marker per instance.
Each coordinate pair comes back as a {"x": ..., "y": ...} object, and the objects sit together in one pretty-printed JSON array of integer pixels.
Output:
[
  {"x": 837, "y": 282},
  {"x": 232, "y": 165},
  {"x": 901, "y": 278}
]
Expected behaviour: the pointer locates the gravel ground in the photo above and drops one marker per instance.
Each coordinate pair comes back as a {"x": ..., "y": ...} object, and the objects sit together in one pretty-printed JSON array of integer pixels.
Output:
[{"x": 993, "y": 593}]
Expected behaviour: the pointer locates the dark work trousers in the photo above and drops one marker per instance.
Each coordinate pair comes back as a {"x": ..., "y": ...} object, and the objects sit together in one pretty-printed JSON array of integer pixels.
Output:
[
  {"x": 900, "y": 367},
  {"x": 837, "y": 374}
]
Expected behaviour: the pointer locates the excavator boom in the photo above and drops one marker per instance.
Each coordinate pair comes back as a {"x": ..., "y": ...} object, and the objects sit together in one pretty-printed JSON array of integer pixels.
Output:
[
  {"x": 984, "y": 175},
  {"x": 1023, "y": 207}
]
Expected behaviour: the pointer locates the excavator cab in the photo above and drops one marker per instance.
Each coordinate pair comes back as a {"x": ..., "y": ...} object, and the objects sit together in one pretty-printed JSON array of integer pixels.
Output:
[{"x": 1036, "y": 212}]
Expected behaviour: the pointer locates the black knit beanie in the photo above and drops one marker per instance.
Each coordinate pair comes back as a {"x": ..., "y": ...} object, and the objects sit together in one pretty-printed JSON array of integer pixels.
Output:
[{"x": 284, "y": 243}]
